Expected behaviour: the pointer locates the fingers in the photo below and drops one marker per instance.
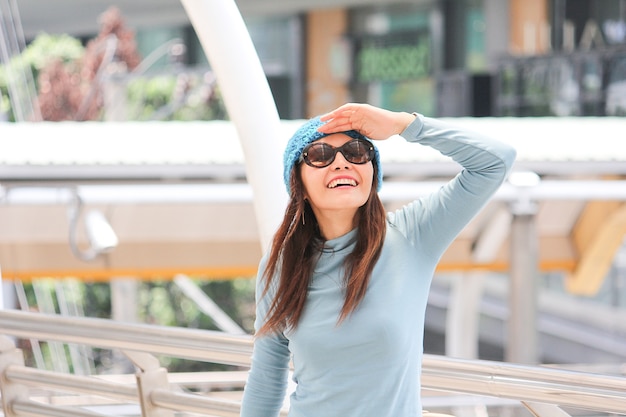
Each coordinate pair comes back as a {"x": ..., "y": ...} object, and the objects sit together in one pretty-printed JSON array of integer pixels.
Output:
[
  {"x": 370, "y": 121},
  {"x": 346, "y": 117},
  {"x": 345, "y": 110}
]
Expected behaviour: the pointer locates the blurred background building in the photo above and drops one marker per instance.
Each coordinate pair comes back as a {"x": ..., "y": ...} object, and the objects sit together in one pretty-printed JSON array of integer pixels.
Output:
[{"x": 444, "y": 57}]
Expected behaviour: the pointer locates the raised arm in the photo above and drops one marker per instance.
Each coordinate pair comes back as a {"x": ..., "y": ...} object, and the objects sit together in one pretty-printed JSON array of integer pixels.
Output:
[{"x": 437, "y": 219}]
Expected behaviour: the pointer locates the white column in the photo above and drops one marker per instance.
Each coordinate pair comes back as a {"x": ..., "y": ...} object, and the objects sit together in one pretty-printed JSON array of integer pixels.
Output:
[
  {"x": 522, "y": 340},
  {"x": 522, "y": 336},
  {"x": 463, "y": 316},
  {"x": 248, "y": 98}
]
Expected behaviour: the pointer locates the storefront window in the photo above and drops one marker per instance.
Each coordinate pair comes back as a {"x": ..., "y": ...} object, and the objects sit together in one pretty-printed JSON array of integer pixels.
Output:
[
  {"x": 475, "y": 56},
  {"x": 393, "y": 57}
]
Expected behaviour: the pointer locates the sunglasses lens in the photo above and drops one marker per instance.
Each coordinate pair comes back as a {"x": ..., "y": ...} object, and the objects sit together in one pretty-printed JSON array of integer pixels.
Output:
[
  {"x": 320, "y": 154},
  {"x": 357, "y": 151}
]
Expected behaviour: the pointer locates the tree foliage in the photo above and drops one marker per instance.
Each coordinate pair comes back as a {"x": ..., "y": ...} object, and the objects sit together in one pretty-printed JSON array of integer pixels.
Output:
[
  {"x": 73, "y": 90},
  {"x": 45, "y": 50},
  {"x": 71, "y": 79}
]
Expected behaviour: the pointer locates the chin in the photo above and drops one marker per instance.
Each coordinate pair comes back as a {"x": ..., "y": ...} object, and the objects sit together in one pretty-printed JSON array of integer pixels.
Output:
[{"x": 354, "y": 203}]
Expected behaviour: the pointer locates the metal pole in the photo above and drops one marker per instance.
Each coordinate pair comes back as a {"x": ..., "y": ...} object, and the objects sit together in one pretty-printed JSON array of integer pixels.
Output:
[
  {"x": 207, "y": 305},
  {"x": 522, "y": 343}
]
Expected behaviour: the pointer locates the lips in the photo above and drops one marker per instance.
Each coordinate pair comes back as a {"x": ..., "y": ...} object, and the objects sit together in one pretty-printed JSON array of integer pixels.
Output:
[{"x": 342, "y": 182}]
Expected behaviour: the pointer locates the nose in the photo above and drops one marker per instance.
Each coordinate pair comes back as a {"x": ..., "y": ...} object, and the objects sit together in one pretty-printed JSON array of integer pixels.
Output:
[{"x": 340, "y": 162}]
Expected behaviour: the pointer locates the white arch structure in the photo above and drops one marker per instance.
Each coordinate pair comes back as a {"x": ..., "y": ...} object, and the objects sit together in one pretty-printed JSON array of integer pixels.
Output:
[{"x": 248, "y": 98}]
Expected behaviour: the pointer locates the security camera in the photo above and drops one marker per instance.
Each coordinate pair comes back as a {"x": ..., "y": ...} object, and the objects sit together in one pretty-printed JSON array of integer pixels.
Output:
[{"x": 101, "y": 236}]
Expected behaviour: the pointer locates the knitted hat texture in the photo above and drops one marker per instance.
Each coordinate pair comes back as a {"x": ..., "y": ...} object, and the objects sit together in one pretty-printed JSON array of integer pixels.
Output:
[{"x": 308, "y": 133}]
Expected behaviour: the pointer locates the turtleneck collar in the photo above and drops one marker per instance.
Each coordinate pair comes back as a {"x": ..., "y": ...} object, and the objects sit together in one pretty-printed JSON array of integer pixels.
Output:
[{"x": 340, "y": 243}]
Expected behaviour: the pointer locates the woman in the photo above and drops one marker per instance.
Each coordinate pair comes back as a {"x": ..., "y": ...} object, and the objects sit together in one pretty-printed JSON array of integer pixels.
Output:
[{"x": 343, "y": 290}]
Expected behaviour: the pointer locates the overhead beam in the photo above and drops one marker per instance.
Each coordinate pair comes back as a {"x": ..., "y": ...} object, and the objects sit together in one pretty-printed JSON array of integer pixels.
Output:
[
  {"x": 599, "y": 236},
  {"x": 494, "y": 234},
  {"x": 593, "y": 215}
]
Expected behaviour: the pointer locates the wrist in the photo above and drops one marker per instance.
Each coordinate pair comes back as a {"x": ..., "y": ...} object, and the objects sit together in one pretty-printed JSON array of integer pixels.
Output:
[{"x": 405, "y": 120}]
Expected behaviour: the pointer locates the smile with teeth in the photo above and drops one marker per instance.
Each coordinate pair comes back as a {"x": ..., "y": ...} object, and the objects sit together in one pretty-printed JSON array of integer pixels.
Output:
[{"x": 342, "y": 182}]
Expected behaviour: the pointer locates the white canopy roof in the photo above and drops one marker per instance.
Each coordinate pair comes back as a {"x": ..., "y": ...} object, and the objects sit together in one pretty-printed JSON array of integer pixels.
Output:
[{"x": 211, "y": 150}]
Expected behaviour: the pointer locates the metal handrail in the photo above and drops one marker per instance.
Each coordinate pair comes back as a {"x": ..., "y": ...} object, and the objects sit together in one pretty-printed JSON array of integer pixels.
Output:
[
  {"x": 195, "y": 344},
  {"x": 497, "y": 379},
  {"x": 67, "y": 382},
  {"x": 177, "y": 401},
  {"x": 526, "y": 383}
]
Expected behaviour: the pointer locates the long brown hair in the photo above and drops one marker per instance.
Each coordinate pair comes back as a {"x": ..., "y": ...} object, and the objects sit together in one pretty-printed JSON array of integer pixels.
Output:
[{"x": 297, "y": 245}]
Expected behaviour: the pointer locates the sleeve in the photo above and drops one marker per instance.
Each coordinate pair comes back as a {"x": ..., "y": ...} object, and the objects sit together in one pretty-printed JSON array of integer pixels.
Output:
[
  {"x": 265, "y": 389},
  {"x": 435, "y": 220}
]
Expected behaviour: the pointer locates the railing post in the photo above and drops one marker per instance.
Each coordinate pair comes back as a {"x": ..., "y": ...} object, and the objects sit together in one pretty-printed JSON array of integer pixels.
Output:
[
  {"x": 10, "y": 355},
  {"x": 523, "y": 343},
  {"x": 150, "y": 377}
]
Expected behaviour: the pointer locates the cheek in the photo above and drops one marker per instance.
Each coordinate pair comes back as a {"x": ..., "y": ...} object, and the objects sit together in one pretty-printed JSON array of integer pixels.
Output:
[
  {"x": 368, "y": 174},
  {"x": 308, "y": 179}
]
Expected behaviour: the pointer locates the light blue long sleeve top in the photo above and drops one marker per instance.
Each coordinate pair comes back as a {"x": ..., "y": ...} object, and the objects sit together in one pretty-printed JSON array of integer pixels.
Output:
[{"x": 370, "y": 364}]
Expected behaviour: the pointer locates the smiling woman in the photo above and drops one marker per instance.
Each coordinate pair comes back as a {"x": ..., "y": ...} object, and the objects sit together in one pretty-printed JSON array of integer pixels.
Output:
[{"x": 342, "y": 276}]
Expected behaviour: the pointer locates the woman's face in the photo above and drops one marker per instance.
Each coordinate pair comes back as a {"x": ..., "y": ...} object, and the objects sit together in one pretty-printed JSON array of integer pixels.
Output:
[{"x": 339, "y": 186}]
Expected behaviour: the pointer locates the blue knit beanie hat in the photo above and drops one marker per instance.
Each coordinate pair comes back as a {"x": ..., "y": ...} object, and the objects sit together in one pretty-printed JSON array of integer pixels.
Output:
[{"x": 308, "y": 133}]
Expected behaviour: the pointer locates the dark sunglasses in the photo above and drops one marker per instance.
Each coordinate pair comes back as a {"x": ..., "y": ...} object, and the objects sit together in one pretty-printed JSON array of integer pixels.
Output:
[{"x": 320, "y": 154}]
